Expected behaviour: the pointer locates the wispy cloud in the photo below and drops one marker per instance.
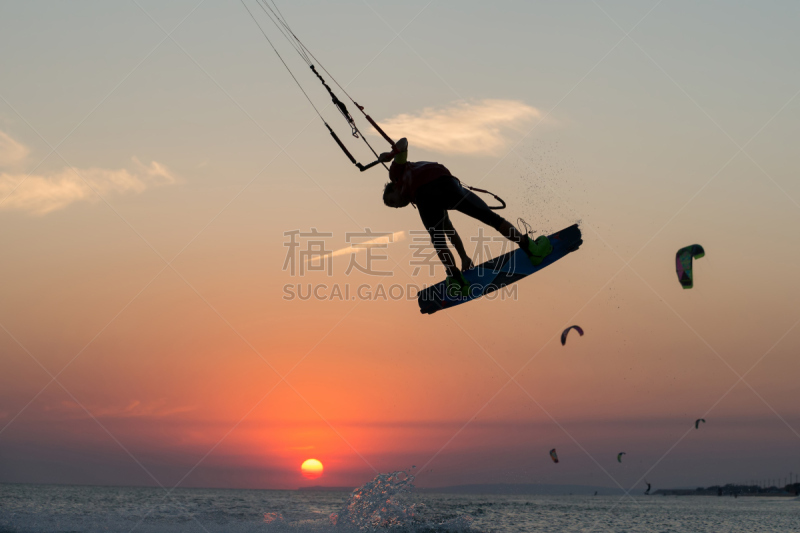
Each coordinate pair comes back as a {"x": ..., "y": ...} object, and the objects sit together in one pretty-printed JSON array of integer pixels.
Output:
[
  {"x": 134, "y": 409},
  {"x": 379, "y": 242},
  {"x": 474, "y": 128},
  {"x": 11, "y": 152},
  {"x": 42, "y": 194}
]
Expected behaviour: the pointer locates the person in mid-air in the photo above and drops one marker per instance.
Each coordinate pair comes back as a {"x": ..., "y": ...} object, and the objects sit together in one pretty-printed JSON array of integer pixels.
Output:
[{"x": 435, "y": 191}]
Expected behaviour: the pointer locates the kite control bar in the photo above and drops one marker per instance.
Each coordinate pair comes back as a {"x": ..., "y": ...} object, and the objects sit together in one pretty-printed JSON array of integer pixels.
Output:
[
  {"x": 352, "y": 159},
  {"x": 362, "y": 168},
  {"x": 349, "y": 118}
]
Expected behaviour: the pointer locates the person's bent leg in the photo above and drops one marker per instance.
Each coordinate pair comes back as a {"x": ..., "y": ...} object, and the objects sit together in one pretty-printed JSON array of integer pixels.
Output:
[
  {"x": 458, "y": 244},
  {"x": 433, "y": 216},
  {"x": 448, "y": 261},
  {"x": 456, "y": 284},
  {"x": 473, "y": 206},
  {"x": 511, "y": 233},
  {"x": 440, "y": 244}
]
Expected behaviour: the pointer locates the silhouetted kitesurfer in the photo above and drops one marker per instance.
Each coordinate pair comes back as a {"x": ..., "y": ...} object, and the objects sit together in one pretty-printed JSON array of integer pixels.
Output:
[{"x": 435, "y": 191}]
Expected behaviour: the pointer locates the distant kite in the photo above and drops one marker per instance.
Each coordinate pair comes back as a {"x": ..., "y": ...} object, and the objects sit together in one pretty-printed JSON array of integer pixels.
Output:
[
  {"x": 564, "y": 333},
  {"x": 697, "y": 422},
  {"x": 554, "y": 455},
  {"x": 683, "y": 263},
  {"x": 619, "y": 456}
]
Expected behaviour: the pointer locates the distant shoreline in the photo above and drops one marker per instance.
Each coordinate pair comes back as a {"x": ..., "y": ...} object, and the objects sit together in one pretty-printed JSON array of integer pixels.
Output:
[
  {"x": 749, "y": 491},
  {"x": 681, "y": 492}
]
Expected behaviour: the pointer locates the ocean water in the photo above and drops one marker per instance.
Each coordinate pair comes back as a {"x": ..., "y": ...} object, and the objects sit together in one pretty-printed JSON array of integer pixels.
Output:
[{"x": 385, "y": 504}]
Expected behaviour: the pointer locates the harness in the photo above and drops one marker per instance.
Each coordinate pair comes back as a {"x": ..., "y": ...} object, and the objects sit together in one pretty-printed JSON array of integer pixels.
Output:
[{"x": 484, "y": 191}]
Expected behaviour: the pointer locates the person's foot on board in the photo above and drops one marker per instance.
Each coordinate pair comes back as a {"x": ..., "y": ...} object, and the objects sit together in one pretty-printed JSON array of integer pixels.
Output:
[
  {"x": 457, "y": 285},
  {"x": 538, "y": 249}
]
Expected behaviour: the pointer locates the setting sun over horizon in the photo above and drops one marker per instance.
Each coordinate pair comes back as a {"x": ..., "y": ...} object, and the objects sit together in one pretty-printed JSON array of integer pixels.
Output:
[{"x": 311, "y": 468}]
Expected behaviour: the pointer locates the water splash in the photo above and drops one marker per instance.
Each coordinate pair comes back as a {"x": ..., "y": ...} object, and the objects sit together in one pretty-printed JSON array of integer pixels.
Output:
[
  {"x": 378, "y": 503},
  {"x": 384, "y": 504}
]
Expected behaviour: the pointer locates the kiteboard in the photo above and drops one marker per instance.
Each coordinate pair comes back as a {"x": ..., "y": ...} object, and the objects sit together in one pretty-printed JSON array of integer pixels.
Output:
[{"x": 498, "y": 272}]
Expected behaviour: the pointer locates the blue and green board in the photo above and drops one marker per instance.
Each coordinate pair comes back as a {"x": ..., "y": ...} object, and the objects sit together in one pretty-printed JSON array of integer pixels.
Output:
[{"x": 499, "y": 272}]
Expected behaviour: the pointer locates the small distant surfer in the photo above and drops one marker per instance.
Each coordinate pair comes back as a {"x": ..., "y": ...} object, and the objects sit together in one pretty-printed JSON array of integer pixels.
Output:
[{"x": 435, "y": 191}]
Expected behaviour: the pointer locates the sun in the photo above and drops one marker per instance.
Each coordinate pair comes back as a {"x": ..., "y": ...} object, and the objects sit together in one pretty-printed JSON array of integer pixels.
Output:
[{"x": 311, "y": 468}]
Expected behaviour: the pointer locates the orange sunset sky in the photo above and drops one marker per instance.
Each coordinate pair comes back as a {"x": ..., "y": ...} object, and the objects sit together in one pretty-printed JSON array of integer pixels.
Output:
[{"x": 152, "y": 158}]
